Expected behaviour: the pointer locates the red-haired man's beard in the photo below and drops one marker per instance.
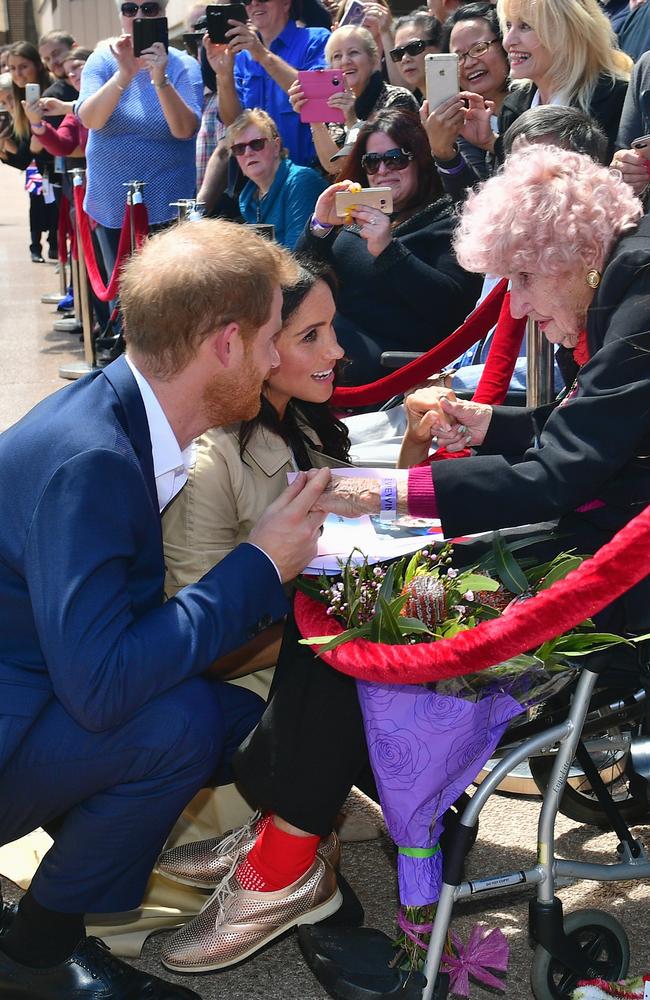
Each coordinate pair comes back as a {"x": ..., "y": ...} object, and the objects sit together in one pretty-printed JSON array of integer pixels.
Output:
[{"x": 234, "y": 396}]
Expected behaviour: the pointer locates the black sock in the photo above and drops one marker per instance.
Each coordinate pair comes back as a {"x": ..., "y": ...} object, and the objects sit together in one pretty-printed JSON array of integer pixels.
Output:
[{"x": 41, "y": 938}]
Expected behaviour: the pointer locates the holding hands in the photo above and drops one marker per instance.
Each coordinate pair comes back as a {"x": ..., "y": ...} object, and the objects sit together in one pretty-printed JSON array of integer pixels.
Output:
[{"x": 435, "y": 412}]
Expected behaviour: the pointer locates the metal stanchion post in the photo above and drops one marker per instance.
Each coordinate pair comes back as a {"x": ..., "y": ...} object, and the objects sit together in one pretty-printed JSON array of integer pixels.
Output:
[
  {"x": 188, "y": 209},
  {"x": 134, "y": 196},
  {"x": 82, "y": 301},
  {"x": 539, "y": 368}
]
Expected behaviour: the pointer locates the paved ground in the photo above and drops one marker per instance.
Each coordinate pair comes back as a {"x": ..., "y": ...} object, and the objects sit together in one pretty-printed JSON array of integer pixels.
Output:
[{"x": 31, "y": 356}]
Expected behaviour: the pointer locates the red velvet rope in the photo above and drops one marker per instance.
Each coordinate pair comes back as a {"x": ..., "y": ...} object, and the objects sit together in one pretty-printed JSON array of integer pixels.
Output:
[
  {"x": 502, "y": 357},
  {"x": 617, "y": 566},
  {"x": 65, "y": 231},
  {"x": 141, "y": 226},
  {"x": 475, "y": 326}
]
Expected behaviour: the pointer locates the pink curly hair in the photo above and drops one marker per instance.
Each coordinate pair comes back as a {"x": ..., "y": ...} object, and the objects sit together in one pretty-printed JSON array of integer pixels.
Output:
[{"x": 548, "y": 211}]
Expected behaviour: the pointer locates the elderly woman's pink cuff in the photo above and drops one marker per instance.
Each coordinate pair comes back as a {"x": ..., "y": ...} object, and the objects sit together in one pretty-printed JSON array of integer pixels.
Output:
[{"x": 421, "y": 493}]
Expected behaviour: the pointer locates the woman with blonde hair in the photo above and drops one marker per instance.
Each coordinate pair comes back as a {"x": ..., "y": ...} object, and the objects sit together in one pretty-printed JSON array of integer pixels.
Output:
[
  {"x": 278, "y": 192},
  {"x": 354, "y": 52},
  {"x": 566, "y": 53}
]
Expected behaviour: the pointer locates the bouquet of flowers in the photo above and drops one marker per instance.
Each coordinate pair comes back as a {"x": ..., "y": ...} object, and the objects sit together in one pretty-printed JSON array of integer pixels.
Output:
[{"x": 427, "y": 743}]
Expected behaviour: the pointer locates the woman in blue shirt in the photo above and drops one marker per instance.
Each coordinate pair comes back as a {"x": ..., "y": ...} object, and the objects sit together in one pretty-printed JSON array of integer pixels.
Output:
[
  {"x": 278, "y": 192},
  {"x": 143, "y": 114}
]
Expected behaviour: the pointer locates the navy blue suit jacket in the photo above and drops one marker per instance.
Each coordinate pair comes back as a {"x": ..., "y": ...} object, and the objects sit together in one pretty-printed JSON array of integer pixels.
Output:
[{"x": 82, "y": 617}]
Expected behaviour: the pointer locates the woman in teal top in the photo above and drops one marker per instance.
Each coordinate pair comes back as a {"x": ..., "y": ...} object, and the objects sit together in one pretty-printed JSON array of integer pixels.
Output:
[{"x": 278, "y": 192}]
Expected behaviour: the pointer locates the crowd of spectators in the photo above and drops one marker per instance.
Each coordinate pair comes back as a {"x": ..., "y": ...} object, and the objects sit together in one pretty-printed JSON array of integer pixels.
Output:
[{"x": 227, "y": 125}]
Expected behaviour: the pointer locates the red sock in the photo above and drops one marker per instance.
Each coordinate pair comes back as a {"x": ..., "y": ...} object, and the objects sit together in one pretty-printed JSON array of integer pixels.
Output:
[{"x": 277, "y": 860}]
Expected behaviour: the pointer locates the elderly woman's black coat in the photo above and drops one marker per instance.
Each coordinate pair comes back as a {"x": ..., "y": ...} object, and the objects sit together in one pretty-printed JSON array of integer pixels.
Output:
[{"x": 595, "y": 446}]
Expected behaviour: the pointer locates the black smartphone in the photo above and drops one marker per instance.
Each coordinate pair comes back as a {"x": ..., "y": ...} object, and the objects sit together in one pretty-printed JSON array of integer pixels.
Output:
[
  {"x": 146, "y": 31},
  {"x": 218, "y": 16},
  {"x": 5, "y": 119}
]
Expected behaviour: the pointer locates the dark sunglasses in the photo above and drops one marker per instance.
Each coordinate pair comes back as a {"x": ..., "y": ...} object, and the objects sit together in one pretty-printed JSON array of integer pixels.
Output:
[
  {"x": 395, "y": 159},
  {"x": 413, "y": 49},
  {"x": 239, "y": 148},
  {"x": 247, "y": 3},
  {"x": 149, "y": 9}
]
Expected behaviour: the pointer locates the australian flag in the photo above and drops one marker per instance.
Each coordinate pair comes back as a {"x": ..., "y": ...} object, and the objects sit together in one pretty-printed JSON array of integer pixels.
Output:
[{"x": 33, "y": 179}]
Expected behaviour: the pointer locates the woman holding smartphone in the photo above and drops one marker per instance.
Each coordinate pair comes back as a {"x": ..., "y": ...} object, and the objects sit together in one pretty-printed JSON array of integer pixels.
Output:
[
  {"x": 352, "y": 50},
  {"x": 26, "y": 68},
  {"x": 401, "y": 286},
  {"x": 142, "y": 112}
]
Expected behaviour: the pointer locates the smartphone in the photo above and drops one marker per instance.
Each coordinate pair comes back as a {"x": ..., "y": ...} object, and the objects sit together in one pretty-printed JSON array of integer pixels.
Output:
[
  {"x": 317, "y": 85},
  {"x": 642, "y": 145},
  {"x": 192, "y": 42},
  {"x": 146, "y": 31},
  {"x": 354, "y": 13},
  {"x": 32, "y": 93},
  {"x": 378, "y": 197},
  {"x": 218, "y": 16},
  {"x": 441, "y": 72},
  {"x": 5, "y": 119}
]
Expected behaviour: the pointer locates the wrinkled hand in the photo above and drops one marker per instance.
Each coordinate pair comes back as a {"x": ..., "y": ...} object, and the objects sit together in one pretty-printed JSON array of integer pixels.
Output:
[
  {"x": 243, "y": 36},
  {"x": 375, "y": 228},
  {"x": 289, "y": 529},
  {"x": 455, "y": 423},
  {"x": 443, "y": 126},
  {"x": 325, "y": 210},
  {"x": 351, "y": 497},
  {"x": 478, "y": 126},
  {"x": 128, "y": 63},
  {"x": 634, "y": 167},
  {"x": 155, "y": 59},
  {"x": 219, "y": 57}
]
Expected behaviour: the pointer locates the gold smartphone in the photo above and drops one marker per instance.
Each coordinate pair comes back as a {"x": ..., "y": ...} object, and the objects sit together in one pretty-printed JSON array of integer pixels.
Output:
[{"x": 373, "y": 197}]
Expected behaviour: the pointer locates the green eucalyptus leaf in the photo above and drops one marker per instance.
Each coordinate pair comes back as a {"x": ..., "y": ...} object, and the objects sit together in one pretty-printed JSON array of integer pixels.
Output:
[
  {"x": 561, "y": 569},
  {"x": 475, "y": 581},
  {"x": 311, "y": 587},
  {"x": 507, "y": 568},
  {"x": 390, "y": 629}
]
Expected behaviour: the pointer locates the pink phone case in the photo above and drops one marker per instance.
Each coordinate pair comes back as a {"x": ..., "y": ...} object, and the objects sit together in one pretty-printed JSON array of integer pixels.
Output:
[{"x": 317, "y": 85}]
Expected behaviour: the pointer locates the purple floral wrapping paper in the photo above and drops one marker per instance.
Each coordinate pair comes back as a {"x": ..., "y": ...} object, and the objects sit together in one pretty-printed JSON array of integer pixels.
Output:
[{"x": 425, "y": 749}]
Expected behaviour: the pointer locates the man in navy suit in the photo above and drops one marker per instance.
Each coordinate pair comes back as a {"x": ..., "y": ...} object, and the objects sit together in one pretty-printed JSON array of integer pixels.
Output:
[{"x": 107, "y": 726}]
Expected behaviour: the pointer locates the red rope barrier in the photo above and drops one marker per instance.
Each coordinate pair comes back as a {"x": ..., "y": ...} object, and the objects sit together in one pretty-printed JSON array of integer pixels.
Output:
[
  {"x": 65, "y": 231},
  {"x": 617, "y": 566},
  {"x": 500, "y": 363},
  {"x": 107, "y": 292},
  {"x": 475, "y": 326}
]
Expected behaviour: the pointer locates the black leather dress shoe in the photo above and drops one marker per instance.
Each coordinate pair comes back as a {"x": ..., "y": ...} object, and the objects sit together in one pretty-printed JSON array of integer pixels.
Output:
[{"x": 91, "y": 973}]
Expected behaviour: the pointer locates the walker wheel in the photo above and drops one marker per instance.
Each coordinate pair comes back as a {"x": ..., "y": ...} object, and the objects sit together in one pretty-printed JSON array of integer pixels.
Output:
[{"x": 593, "y": 932}]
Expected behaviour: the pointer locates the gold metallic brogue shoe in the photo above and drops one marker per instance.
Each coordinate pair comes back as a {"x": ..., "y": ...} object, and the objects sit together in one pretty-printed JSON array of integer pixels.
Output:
[
  {"x": 236, "y": 922},
  {"x": 205, "y": 863}
]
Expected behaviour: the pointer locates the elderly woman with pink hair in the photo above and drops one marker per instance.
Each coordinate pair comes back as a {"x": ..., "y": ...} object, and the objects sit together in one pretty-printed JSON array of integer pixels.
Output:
[{"x": 570, "y": 236}]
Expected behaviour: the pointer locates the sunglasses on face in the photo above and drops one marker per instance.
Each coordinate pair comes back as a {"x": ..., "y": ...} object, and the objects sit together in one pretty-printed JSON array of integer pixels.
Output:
[
  {"x": 412, "y": 49},
  {"x": 394, "y": 159},
  {"x": 149, "y": 9},
  {"x": 247, "y": 3},
  {"x": 239, "y": 148},
  {"x": 476, "y": 50}
]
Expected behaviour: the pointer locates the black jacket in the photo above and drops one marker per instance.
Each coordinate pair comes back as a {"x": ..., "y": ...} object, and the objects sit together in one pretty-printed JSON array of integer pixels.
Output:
[
  {"x": 605, "y": 107},
  {"x": 409, "y": 298},
  {"x": 595, "y": 446}
]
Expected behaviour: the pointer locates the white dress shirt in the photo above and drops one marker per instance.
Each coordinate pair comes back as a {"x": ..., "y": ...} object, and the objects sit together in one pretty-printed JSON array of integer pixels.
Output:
[{"x": 170, "y": 464}]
